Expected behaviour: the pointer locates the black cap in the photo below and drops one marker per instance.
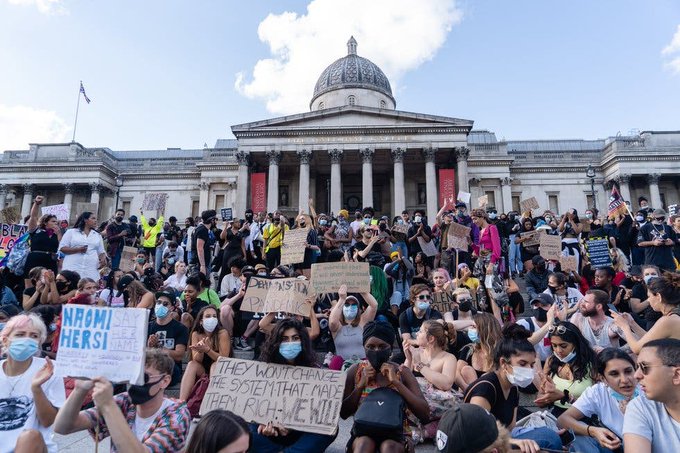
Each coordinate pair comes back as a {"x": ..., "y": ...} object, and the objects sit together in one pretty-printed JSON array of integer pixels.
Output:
[
  {"x": 543, "y": 299},
  {"x": 125, "y": 281},
  {"x": 461, "y": 204},
  {"x": 133, "y": 219},
  {"x": 467, "y": 428}
]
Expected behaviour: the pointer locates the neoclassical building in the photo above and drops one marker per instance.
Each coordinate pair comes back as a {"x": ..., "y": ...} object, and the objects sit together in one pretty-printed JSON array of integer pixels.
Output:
[{"x": 353, "y": 148}]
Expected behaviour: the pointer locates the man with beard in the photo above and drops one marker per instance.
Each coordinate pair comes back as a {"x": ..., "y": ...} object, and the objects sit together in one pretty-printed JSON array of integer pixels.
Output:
[
  {"x": 658, "y": 240},
  {"x": 115, "y": 234},
  {"x": 599, "y": 329}
]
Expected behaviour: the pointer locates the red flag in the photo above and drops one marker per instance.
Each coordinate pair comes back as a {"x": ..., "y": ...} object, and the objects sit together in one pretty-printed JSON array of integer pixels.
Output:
[
  {"x": 447, "y": 184},
  {"x": 616, "y": 204},
  {"x": 258, "y": 192}
]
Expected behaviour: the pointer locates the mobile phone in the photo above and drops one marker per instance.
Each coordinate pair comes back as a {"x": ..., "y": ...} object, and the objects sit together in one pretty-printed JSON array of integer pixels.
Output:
[
  {"x": 612, "y": 308},
  {"x": 567, "y": 437}
]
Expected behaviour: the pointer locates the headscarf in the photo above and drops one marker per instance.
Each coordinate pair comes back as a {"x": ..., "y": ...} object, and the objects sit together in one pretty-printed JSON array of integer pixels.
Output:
[{"x": 378, "y": 329}]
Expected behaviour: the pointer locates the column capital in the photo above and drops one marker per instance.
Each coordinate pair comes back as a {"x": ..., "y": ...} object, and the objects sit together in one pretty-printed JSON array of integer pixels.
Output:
[
  {"x": 28, "y": 188},
  {"x": 242, "y": 157},
  {"x": 335, "y": 155},
  {"x": 429, "y": 154},
  {"x": 462, "y": 153},
  {"x": 609, "y": 184},
  {"x": 475, "y": 180},
  {"x": 274, "y": 156},
  {"x": 623, "y": 178},
  {"x": 653, "y": 178},
  {"x": 367, "y": 155},
  {"x": 4, "y": 188},
  {"x": 204, "y": 185},
  {"x": 95, "y": 187},
  {"x": 398, "y": 154},
  {"x": 506, "y": 181},
  {"x": 305, "y": 155},
  {"x": 69, "y": 187}
]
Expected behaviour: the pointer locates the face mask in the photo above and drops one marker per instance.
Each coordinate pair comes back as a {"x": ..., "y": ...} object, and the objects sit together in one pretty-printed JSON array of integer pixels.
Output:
[
  {"x": 493, "y": 215},
  {"x": 418, "y": 219},
  {"x": 140, "y": 394},
  {"x": 400, "y": 221},
  {"x": 382, "y": 227},
  {"x": 521, "y": 376},
  {"x": 461, "y": 212},
  {"x": 290, "y": 350},
  {"x": 61, "y": 286},
  {"x": 302, "y": 224},
  {"x": 423, "y": 306},
  {"x": 589, "y": 216},
  {"x": 21, "y": 349},
  {"x": 350, "y": 312},
  {"x": 465, "y": 306},
  {"x": 511, "y": 217},
  {"x": 119, "y": 219},
  {"x": 568, "y": 358},
  {"x": 552, "y": 289},
  {"x": 660, "y": 220},
  {"x": 171, "y": 261},
  {"x": 648, "y": 278},
  {"x": 209, "y": 324},
  {"x": 161, "y": 311},
  {"x": 140, "y": 260},
  {"x": 378, "y": 358},
  {"x": 249, "y": 217},
  {"x": 473, "y": 335},
  {"x": 488, "y": 281},
  {"x": 639, "y": 218},
  {"x": 548, "y": 219},
  {"x": 619, "y": 397},
  {"x": 541, "y": 315},
  {"x": 53, "y": 327},
  {"x": 367, "y": 221},
  {"x": 323, "y": 222}
]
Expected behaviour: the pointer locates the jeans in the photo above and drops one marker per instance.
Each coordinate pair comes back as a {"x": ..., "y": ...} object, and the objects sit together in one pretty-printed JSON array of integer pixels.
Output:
[
  {"x": 544, "y": 437},
  {"x": 585, "y": 444},
  {"x": 306, "y": 443},
  {"x": 115, "y": 259},
  {"x": 516, "y": 264},
  {"x": 158, "y": 259}
]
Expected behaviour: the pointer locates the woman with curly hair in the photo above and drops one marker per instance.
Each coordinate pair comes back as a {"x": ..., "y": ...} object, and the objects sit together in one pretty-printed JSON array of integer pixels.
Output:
[
  {"x": 45, "y": 236},
  {"x": 83, "y": 247},
  {"x": 476, "y": 358}
]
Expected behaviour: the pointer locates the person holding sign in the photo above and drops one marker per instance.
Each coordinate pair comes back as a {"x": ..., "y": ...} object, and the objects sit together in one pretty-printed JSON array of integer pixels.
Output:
[
  {"x": 570, "y": 228},
  {"x": 488, "y": 249},
  {"x": 528, "y": 247},
  {"x": 288, "y": 344},
  {"x": 29, "y": 391},
  {"x": 45, "y": 236},
  {"x": 312, "y": 249},
  {"x": 346, "y": 323},
  {"x": 141, "y": 419}
]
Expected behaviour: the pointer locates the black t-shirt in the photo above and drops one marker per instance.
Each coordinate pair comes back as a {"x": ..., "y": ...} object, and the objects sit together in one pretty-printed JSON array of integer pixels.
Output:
[
  {"x": 201, "y": 232},
  {"x": 29, "y": 292},
  {"x": 410, "y": 323},
  {"x": 489, "y": 387},
  {"x": 462, "y": 340},
  {"x": 662, "y": 255},
  {"x": 414, "y": 247},
  {"x": 195, "y": 307},
  {"x": 170, "y": 335},
  {"x": 374, "y": 257}
]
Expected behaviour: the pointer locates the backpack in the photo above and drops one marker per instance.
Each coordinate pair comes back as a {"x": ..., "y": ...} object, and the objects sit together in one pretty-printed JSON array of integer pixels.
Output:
[
  {"x": 16, "y": 260},
  {"x": 380, "y": 415}
]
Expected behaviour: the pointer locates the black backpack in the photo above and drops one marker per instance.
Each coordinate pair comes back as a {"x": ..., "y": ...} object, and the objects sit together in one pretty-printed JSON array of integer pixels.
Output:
[{"x": 380, "y": 415}]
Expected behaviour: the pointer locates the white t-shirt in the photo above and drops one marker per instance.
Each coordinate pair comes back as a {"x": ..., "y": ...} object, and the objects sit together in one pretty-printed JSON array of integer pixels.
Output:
[
  {"x": 597, "y": 400},
  {"x": 116, "y": 301},
  {"x": 230, "y": 283},
  {"x": 650, "y": 419},
  {"x": 572, "y": 297},
  {"x": 142, "y": 425},
  {"x": 18, "y": 410},
  {"x": 175, "y": 282},
  {"x": 86, "y": 264},
  {"x": 543, "y": 347}
]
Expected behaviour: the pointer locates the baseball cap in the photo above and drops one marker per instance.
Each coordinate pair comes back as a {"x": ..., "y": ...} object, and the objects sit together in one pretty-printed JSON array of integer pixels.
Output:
[
  {"x": 461, "y": 204},
  {"x": 543, "y": 299},
  {"x": 467, "y": 428},
  {"x": 260, "y": 266},
  {"x": 659, "y": 213}
]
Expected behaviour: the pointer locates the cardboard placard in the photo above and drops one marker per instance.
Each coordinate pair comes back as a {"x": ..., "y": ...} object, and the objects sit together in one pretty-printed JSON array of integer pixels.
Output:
[
  {"x": 534, "y": 238},
  {"x": 10, "y": 214},
  {"x": 300, "y": 398},
  {"x": 293, "y": 247},
  {"x": 528, "y": 204},
  {"x": 9, "y": 234},
  {"x": 328, "y": 277},
  {"x": 483, "y": 201},
  {"x": 227, "y": 214},
  {"x": 256, "y": 294},
  {"x": 59, "y": 210},
  {"x": 128, "y": 259},
  {"x": 103, "y": 341},
  {"x": 155, "y": 202},
  {"x": 464, "y": 196},
  {"x": 673, "y": 210},
  {"x": 400, "y": 228},
  {"x": 289, "y": 295},
  {"x": 598, "y": 252},
  {"x": 550, "y": 246},
  {"x": 568, "y": 264},
  {"x": 428, "y": 248},
  {"x": 443, "y": 302},
  {"x": 457, "y": 236}
]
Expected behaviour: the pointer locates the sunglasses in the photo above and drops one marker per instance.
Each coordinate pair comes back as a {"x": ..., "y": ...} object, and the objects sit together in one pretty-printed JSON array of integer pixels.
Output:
[
  {"x": 424, "y": 297},
  {"x": 560, "y": 330},
  {"x": 645, "y": 368},
  {"x": 465, "y": 299}
]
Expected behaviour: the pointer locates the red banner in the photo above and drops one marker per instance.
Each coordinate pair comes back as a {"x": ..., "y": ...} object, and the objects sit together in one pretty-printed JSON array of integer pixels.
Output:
[
  {"x": 447, "y": 184},
  {"x": 258, "y": 192}
]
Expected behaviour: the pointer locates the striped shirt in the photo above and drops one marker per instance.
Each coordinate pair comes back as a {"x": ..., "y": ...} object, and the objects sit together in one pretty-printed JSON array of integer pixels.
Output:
[{"x": 167, "y": 432}]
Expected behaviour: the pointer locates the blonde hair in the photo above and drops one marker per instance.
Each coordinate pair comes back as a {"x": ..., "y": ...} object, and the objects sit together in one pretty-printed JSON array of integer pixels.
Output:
[
  {"x": 84, "y": 281},
  {"x": 23, "y": 320},
  {"x": 621, "y": 264},
  {"x": 502, "y": 442}
]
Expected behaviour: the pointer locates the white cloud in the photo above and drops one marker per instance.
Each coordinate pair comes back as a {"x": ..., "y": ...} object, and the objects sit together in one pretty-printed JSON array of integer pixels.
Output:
[
  {"x": 21, "y": 125},
  {"x": 674, "y": 45},
  {"x": 397, "y": 35},
  {"x": 44, "y": 6},
  {"x": 674, "y": 65}
]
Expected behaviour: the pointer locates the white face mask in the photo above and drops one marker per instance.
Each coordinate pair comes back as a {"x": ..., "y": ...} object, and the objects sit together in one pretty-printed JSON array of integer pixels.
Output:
[
  {"x": 521, "y": 376},
  {"x": 209, "y": 324},
  {"x": 418, "y": 219}
]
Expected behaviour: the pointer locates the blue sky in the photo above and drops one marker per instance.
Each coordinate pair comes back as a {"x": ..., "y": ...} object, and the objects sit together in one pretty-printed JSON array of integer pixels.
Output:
[{"x": 179, "y": 74}]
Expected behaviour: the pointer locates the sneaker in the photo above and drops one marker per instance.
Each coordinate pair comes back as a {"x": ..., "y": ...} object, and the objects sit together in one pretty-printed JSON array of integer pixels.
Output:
[{"x": 242, "y": 345}]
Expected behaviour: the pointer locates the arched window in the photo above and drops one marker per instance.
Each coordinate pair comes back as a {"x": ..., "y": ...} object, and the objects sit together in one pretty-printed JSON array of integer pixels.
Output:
[
  {"x": 320, "y": 106},
  {"x": 351, "y": 100},
  {"x": 383, "y": 104}
]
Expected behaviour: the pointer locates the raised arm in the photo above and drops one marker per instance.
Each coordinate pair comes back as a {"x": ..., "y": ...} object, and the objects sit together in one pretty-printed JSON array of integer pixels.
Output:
[{"x": 35, "y": 213}]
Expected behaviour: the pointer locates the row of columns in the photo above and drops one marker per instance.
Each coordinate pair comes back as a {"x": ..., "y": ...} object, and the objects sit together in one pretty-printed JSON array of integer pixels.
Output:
[
  {"x": 29, "y": 192},
  {"x": 623, "y": 181},
  {"x": 335, "y": 155}
]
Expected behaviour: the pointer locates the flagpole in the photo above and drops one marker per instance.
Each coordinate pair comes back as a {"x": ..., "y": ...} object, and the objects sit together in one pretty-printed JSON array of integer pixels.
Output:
[{"x": 75, "y": 124}]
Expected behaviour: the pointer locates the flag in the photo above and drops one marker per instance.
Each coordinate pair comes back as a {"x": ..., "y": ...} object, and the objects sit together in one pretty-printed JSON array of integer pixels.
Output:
[
  {"x": 82, "y": 90},
  {"x": 616, "y": 204}
]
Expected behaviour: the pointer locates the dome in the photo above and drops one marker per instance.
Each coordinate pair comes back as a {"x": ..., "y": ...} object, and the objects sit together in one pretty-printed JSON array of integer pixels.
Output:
[{"x": 352, "y": 71}]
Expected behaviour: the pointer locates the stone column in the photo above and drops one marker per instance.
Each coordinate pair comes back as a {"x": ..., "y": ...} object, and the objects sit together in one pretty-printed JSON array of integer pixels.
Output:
[
  {"x": 4, "y": 188},
  {"x": 654, "y": 195},
  {"x": 430, "y": 184},
  {"x": 367, "y": 176},
  {"x": 203, "y": 202},
  {"x": 462, "y": 155},
  {"x": 506, "y": 192},
  {"x": 95, "y": 188},
  {"x": 69, "y": 188},
  {"x": 399, "y": 196},
  {"x": 28, "y": 200},
  {"x": 242, "y": 183},
  {"x": 336, "y": 180},
  {"x": 273, "y": 180},
  {"x": 624, "y": 187},
  {"x": 303, "y": 198}
]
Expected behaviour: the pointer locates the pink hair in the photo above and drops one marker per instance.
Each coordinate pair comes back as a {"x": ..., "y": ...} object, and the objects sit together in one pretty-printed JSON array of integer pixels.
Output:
[
  {"x": 25, "y": 320},
  {"x": 445, "y": 272}
]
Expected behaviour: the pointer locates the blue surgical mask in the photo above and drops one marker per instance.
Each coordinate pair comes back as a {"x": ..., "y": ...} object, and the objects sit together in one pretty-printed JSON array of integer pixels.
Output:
[
  {"x": 350, "y": 312},
  {"x": 473, "y": 335},
  {"x": 400, "y": 221},
  {"x": 493, "y": 215},
  {"x": 367, "y": 221},
  {"x": 619, "y": 397},
  {"x": 568, "y": 358},
  {"x": 22, "y": 349},
  {"x": 639, "y": 218},
  {"x": 323, "y": 222},
  {"x": 161, "y": 311},
  {"x": 423, "y": 306},
  {"x": 648, "y": 278},
  {"x": 290, "y": 349}
]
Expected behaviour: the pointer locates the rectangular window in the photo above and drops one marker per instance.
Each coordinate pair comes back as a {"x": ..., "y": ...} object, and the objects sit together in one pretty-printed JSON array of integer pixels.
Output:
[
  {"x": 194, "y": 208},
  {"x": 491, "y": 195},
  {"x": 219, "y": 202},
  {"x": 552, "y": 203},
  {"x": 515, "y": 203},
  {"x": 126, "y": 208},
  {"x": 589, "y": 200}
]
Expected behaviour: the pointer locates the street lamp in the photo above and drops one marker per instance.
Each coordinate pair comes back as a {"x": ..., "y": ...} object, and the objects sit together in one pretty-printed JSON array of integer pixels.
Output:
[
  {"x": 590, "y": 173},
  {"x": 119, "y": 184}
]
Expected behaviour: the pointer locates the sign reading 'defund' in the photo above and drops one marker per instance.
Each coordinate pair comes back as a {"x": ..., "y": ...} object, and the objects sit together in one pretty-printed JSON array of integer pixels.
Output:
[{"x": 103, "y": 341}]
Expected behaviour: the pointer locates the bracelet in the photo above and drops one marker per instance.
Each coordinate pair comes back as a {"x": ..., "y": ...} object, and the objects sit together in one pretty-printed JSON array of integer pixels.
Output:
[{"x": 588, "y": 430}]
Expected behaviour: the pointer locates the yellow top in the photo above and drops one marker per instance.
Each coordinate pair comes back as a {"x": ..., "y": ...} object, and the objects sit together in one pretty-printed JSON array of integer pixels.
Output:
[
  {"x": 576, "y": 388},
  {"x": 273, "y": 236}
]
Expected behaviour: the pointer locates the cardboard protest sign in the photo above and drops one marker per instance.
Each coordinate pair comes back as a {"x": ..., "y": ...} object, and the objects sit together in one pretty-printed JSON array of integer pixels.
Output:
[
  {"x": 103, "y": 341},
  {"x": 300, "y": 398},
  {"x": 227, "y": 214},
  {"x": 327, "y": 277},
  {"x": 9, "y": 234},
  {"x": 534, "y": 238},
  {"x": 598, "y": 252},
  {"x": 10, "y": 215},
  {"x": 568, "y": 264},
  {"x": 59, "y": 210},
  {"x": 457, "y": 236},
  {"x": 550, "y": 246},
  {"x": 428, "y": 248},
  {"x": 293, "y": 247},
  {"x": 464, "y": 196},
  {"x": 289, "y": 295},
  {"x": 443, "y": 302},
  {"x": 256, "y": 294},
  {"x": 673, "y": 209},
  {"x": 400, "y": 229},
  {"x": 154, "y": 201},
  {"x": 128, "y": 259},
  {"x": 528, "y": 204},
  {"x": 483, "y": 201}
]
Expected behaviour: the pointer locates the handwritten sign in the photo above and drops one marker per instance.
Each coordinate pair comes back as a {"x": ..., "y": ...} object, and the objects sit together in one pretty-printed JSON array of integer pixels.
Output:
[
  {"x": 428, "y": 248},
  {"x": 10, "y": 215},
  {"x": 483, "y": 201},
  {"x": 400, "y": 228},
  {"x": 598, "y": 252},
  {"x": 457, "y": 236},
  {"x": 568, "y": 264},
  {"x": 327, "y": 277},
  {"x": 256, "y": 294},
  {"x": 127, "y": 259},
  {"x": 227, "y": 214},
  {"x": 533, "y": 240},
  {"x": 103, "y": 341},
  {"x": 528, "y": 204},
  {"x": 293, "y": 248},
  {"x": 550, "y": 246},
  {"x": 300, "y": 398},
  {"x": 289, "y": 295},
  {"x": 60, "y": 210},
  {"x": 443, "y": 302},
  {"x": 154, "y": 202},
  {"x": 9, "y": 234},
  {"x": 673, "y": 209},
  {"x": 464, "y": 196}
]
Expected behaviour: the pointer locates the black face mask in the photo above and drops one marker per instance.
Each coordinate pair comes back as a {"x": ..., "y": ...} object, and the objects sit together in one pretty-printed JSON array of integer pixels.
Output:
[
  {"x": 140, "y": 394},
  {"x": 382, "y": 227},
  {"x": 61, "y": 286},
  {"x": 377, "y": 358},
  {"x": 119, "y": 219},
  {"x": 302, "y": 224},
  {"x": 249, "y": 217},
  {"x": 540, "y": 268},
  {"x": 541, "y": 315},
  {"x": 465, "y": 306},
  {"x": 552, "y": 289}
]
